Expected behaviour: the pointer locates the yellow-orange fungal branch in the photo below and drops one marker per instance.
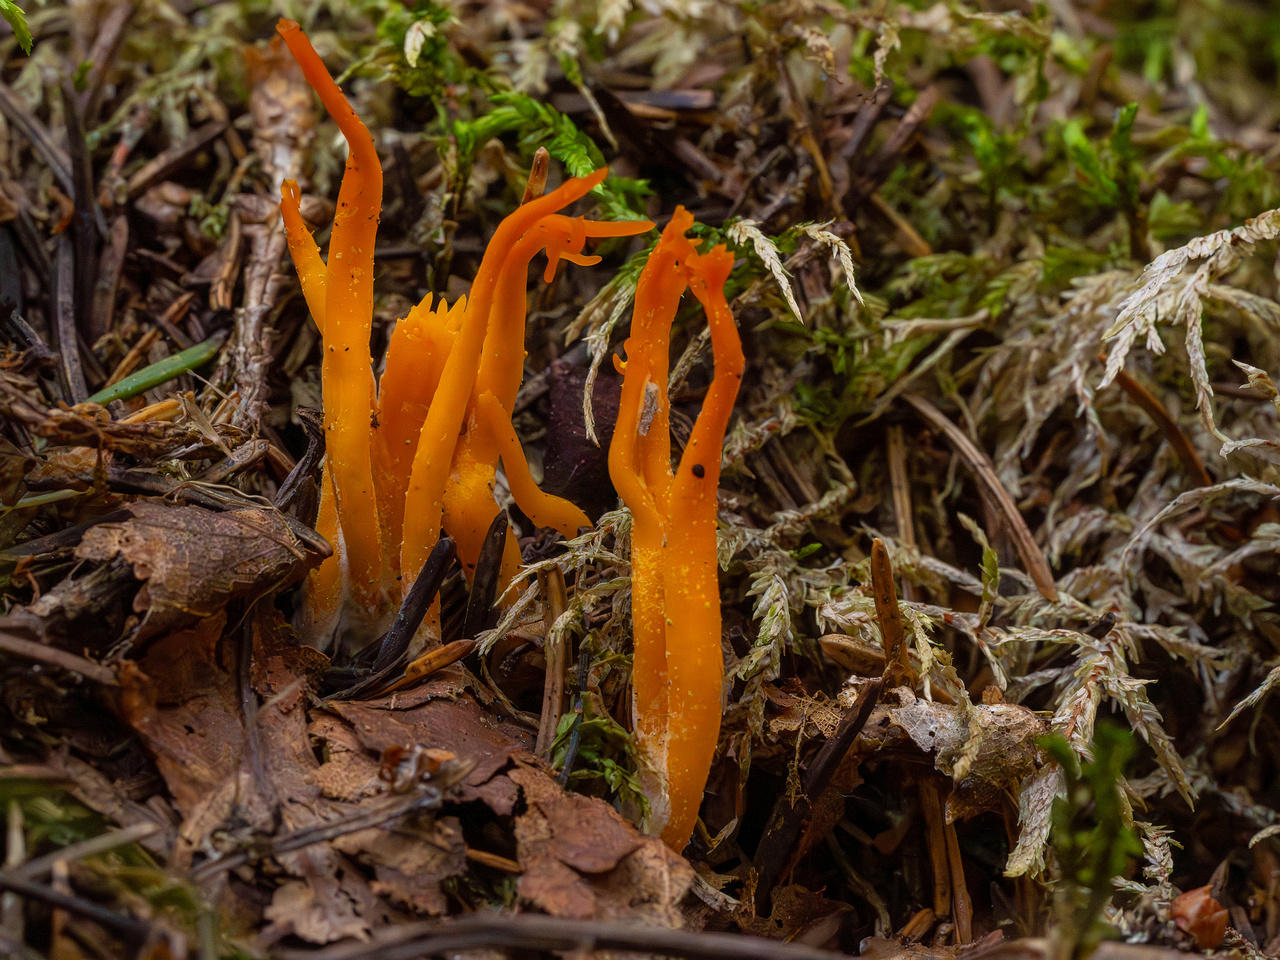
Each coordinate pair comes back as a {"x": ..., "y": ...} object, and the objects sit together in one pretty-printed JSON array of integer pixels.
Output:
[
  {"x": 469, "y": 506},
  {"x": 640, "y": 466},
  {"x": 445, "y": 420},
  {"x": 346, "y": 372},
  {"x": 303, "y": 250},
  {"x": 695, "y": 665},
  {"x": 326, "y": 584},
  {"x": 678, "y": 667},
  {"x": 543, "y": 509},
  {"x": 414, "y": 365}
]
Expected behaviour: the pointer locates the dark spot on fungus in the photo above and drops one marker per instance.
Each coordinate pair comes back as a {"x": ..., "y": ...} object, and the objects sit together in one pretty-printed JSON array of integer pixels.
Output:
[{"x": 699, "y": 470}]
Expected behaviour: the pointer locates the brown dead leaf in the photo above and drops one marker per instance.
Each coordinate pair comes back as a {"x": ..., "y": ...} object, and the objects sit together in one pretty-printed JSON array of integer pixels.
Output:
[
  {"x": 279, "y": 658},
  {"x": 582, "y": 860},
  {"x": 14, "y": 464},
  {"x": 412, "y": 860},
  {"x": 183, "y": 705},
  {"x": 194, "y": 562},
  {"x": 349, "y": 772},
  {"x": 442, "y": 713}
]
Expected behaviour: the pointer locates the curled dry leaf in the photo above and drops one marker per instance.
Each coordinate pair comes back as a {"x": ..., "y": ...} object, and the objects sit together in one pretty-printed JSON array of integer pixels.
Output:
[
  {"x": 1006, "y": 751},
  {"x": 193, "y": 562},
  {"x": 582, "y": 860}
]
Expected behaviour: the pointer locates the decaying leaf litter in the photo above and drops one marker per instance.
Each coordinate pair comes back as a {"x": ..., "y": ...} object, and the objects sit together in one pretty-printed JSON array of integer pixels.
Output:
[{"x": 1005, "y": 285}]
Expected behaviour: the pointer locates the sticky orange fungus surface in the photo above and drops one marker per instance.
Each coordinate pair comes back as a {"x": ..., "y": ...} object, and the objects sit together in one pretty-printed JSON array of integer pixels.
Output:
[
  {"x": 443, "y": 405},
  {"x": 678, "y": 669}
]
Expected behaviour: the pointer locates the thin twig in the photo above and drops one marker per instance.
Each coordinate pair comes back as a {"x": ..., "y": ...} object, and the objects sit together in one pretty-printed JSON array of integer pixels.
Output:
[
  {"x": 395, "y": 643},
  {"x": 575, "y": 735},
  {"x": 135, "y": 931},
  {"x": 788, "y": 818},
  {"x": 425, "y": 586},
  {"x": 53, "y": 155},
  {"x": 897, "y": 658},
  {"x": 171, "y": 159},
  {"x": 900, "y": 484},
  {"x": 555, "y": 653},
  {"x": 12, "y": 916},
  {"x": 1181, "y": 444},
  {"x": 37, "y": 868},
  {"x": 375, "y": 814},
  {"x": 101, "y": 56},
  {"x": 931, "y": 807},
  {"x": 43, "y": 653},
  {"x": 530, "y": 932},
  {"x": 961, "y": 905},
  {"x": 64, "y": 286},
  {"x": 484, "y": 585},
  {"x": 1030, "y": 552},
  {"x": 110, "y": 266}
]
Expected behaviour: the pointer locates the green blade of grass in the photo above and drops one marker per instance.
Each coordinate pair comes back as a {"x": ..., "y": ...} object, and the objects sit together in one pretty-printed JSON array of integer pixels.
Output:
[{"x": 161, "y": 372}]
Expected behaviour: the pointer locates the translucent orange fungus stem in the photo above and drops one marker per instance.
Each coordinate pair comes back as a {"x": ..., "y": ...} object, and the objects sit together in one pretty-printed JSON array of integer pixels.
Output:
[
  {"x": 347, "y": 373},
  {"x": 695, "y": 665},
  {"x": 677, "y": 667},
  {"x": 415, "y": 364}
]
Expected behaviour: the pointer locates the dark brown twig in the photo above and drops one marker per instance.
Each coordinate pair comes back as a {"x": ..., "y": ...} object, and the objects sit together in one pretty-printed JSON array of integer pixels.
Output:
[
  {"x": 308, "y": 465},
  {"x": 484, "y": 587},
  {"x": 555, "y": 653},
  {"x": 936, "y": 837},
  {"x": 134, "y": 931},
  {"x": 1030, "y": 552},
  {"x": 110, "y": 266},
  {"x": 171, "y": 159},
  {"x": 87, "y": 222},
  {"x": 101, "y": 55},
  {"x": 375, "y": 814},
  {"x": 787, "y": 819},
  {"x": 35, "y": 131},
  {"x": 900, "y": 484},
  {"x": 395, "y": 644},
  {"x": 1152, "y": 407},
  {"x": 43, "y": 653},
  {"x": 68, "y": 346},
  {"x": 530, "y": 932}
]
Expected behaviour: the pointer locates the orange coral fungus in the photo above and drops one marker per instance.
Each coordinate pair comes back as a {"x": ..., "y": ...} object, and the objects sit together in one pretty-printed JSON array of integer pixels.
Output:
[
  {"x": 492, "y": 327},
  {"x": 441, "y": 419},
  {"x": 348, "y": 317},
  {"x": 678, "y": 670}
]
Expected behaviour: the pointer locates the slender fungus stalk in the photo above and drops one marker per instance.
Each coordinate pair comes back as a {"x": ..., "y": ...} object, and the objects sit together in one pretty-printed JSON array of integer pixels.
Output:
[
  {"x": 347, "y": 373},
  {"x": 640, "y": 467},
  {"x": 695, "y": 665},
  {"x": 415, "y": 364},
  {"x": 306, "y": 255},
  {"x": 444, "y": 420},
  {"x": 678, "y": 668}
]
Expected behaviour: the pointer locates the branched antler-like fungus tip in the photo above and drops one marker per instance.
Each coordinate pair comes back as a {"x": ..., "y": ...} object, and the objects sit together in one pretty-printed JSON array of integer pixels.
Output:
[{"x": 674, "y": 578}]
